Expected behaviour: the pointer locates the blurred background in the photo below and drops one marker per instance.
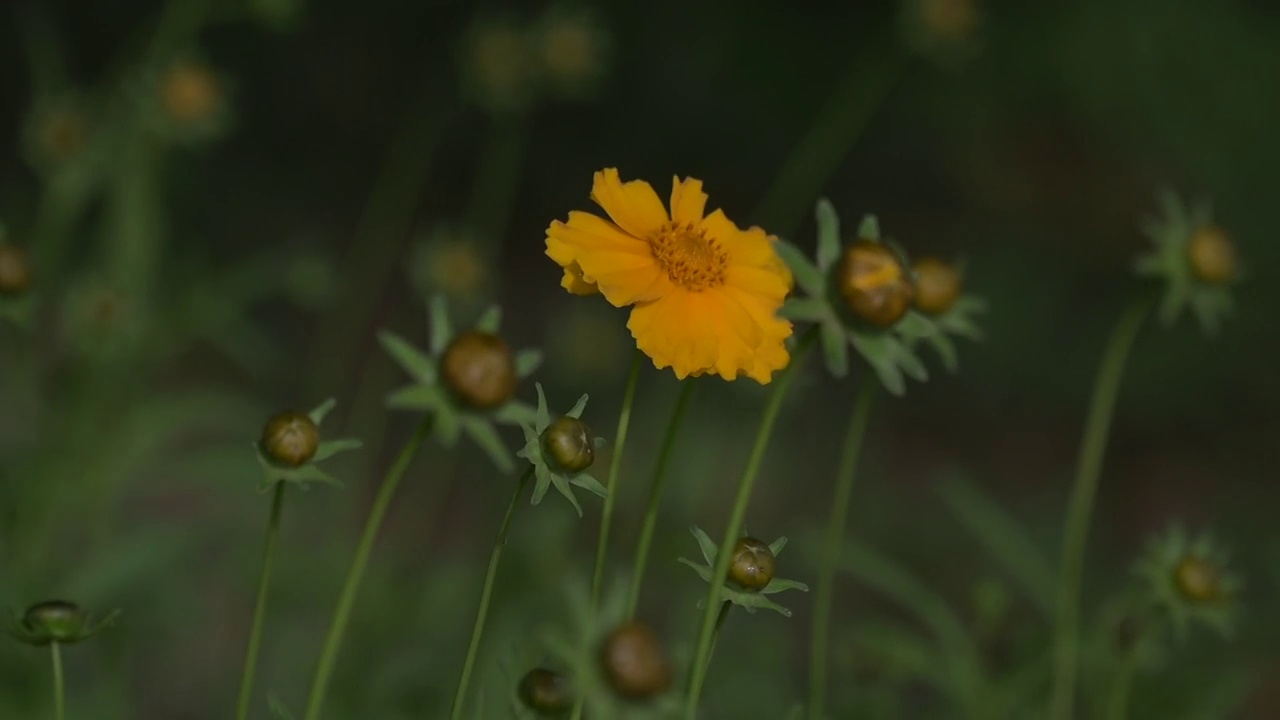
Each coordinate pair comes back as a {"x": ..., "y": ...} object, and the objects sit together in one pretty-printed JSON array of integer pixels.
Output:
[{"x": 223, "y": 202}]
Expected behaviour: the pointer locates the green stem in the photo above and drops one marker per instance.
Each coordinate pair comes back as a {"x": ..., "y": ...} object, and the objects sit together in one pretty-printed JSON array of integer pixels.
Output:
[
  {"x": 59, "y": 691},
  {"x": 482, "y": 614},
  {"x": 1118, "y": 703},
  {"x": 260, "y": 609},
  {"x": 615, "y": 467},
  {"x": 698, "y": 669},
  {"x": 829, "y": 138},
  {"x": 1088, "y": 472},
  {"x": 655, "y": 495},
  {"x": 721, "y": 616},
  {"x": 845, "y": 474},
  {"x": 329, "y": 653}
]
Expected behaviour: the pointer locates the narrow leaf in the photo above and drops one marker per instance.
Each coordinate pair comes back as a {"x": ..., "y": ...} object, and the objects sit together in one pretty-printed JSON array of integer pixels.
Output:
[
  {"x": 807, "y": 276},
  {"x": 441, "y": 330},
  {"x": 828, "y": 235},
  {"x": 419, "y": 365},
  {"x": 705, "y": 544}
]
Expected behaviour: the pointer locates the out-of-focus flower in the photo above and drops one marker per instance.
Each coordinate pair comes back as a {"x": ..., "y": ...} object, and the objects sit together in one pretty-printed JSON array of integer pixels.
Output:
[
  {"x": 1188, "y": 578},
  {"x": 451, "y": 261},
  {"x": 499, "y": 65},
  {"x": 573, "y": 49},
  {"x": 15, "y": 270},
  {"x": 944, "y": 29},
  {"x": 56, "y": 132},
  {"x": 1195, "y": 259},
  {"x": 545, "y": 692},
  {"x": 704, "y": 293},
  {"x": 189, "y": 101},
  {"x": 940, "y": 295}
]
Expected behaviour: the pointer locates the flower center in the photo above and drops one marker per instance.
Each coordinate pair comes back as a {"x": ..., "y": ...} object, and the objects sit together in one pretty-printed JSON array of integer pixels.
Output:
[{"x": 692, "y": 260}]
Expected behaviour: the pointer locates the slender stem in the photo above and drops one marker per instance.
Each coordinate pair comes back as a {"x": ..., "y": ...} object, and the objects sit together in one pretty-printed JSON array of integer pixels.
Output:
[
  {"x": 845, "y": 474},
  {"x": 260, "y": 609},
  {"x": 482, "y": 614},
  {"x": 59, "y": 691},
  {"x": 732, "y": 531},
  {"x": 332, "y": 642},
  {"x": 1088, "y": 471},
  {"x": 1118, "y": 703},
  {"x": 721, "y": 616},
  {"x": 830, "y": 137},
  {"x": 615, "y": 467},
  {"x": 655, "y": 495}
]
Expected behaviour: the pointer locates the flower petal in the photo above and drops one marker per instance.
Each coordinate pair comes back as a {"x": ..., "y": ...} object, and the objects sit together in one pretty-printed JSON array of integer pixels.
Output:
[
  {"x": 620, "y": 266},
  {"x": 675, "y": 331},
  {"x": 633, "y": 205},
  {"x": 688, "y": 201}
]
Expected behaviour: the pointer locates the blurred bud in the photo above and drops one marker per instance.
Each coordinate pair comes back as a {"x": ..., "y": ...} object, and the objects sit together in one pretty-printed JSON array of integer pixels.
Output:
[
  {"x": 1198, "y": 580},
  {"x": 949, "y": 21},
  {"x": 545, "y": 692},
  {"x": 635, "y": 662},
  {"x": 573, "y": 50},
  {"x": 1212, "y": 255},
  {"x": 753, "y": 564},
  {"x": 938, "y": 285},
  {"x": 190, "y": 93},
  {"x": 568, "y": 443},
  {"x": 290, "y": 439},
  {"x": 55, "y": 620},
  {"x": 498, "y": 66},
  {"x": 479, "y": 368},
  {"x": 874, "y": 283},
  {"x": 15, "y": 270},
  {"x": 450, "y": 261}
]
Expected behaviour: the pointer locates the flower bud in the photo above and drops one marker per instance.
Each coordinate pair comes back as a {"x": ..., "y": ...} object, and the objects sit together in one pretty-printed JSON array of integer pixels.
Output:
[
  {"x": 567, "y": 441},
  {"x": 938, "y": 285},
  {"x": 1212, "y": 256},
  {"x": 545, "y": 692},
  {"x": 753, "y": 564},
  {"x": 1198, "y": 580},
  {"x": 874, "y": 283},
  {"x": 54, "y": 621},
  {"x": 635, "y": 662},
  {"x": 480, "y": 370},
  {"x": 190, "y": 93},
  {"x": 15, "y": 270},
  {"x": 290, "y": 439}
]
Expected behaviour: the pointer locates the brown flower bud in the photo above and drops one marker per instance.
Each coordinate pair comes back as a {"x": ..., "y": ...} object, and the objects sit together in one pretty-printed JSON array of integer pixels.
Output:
[
  {"x": 480, "y": 370},
  {"x": 545, "y": 692},
  {"x": 635, "y": 662},
  {"x": 753, "y": 564},
  {"x": 568, "y": 444},
  {"x": 1198, "y": 580},
  {"x": 1212, "y": 255},
  {"x": 938, "y": 285},
  {"x": 190, "y": 93},
  {"x": 15, "y": 270},
  {"x": 874, "y": 283},
  {"x": 290, "y": 439}
]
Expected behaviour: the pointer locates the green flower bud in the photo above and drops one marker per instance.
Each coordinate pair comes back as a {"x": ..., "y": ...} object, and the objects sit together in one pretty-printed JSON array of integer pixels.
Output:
[
  {"x": 479, "y": 369},
  {"x": 938, "y": 285},
  {"x": 1198, "y": 580},
  {"x": 15, "y": 270},
  {"x": 635, "y": 662},
  {"x": 568, "y": 443},
  {"x": 875, "y": 286},
  {"x": 1212, "y": 256},
  {"x": 55, "y": 621},
  {"x": 545, "y": 692},
  {"x": 753, "y": 564},
  {"x": 290, "y": 439}
]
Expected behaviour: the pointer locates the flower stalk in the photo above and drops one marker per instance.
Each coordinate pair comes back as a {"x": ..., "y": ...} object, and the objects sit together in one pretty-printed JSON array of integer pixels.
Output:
[
  {"x": 615, "y": 467},
  {"x": 59, "y": 690},
  {"x": 260, "y": 608}
]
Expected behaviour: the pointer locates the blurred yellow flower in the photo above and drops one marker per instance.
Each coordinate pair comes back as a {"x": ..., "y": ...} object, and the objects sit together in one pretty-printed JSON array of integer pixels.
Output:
[
  {"x": 574, "y": 49},
  {"x": 190, "y": 93},
  {"x": 705, "y": 293}
]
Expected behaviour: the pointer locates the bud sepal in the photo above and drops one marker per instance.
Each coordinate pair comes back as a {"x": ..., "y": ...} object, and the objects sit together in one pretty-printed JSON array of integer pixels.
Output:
[
  {"x": 282, "y": 459},
  {"x": 886, "y": 347},
  {"x": 734, "y": 589},
  {"x": 548, "y": 469},
  {"x": 429, "y": 391}
]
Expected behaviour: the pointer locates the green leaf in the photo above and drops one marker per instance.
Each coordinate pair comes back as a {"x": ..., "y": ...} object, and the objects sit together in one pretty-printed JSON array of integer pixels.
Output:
[
  {"x": 329, "y": 448},
  {"x": 869, "y": 228},
  {"x": 543, "y": 418},
  {"x": 906, "y": 359},
  {"x": 756, "y": 601},
  {"x": 946, "y": 351},
  {"x": 318, "y": 414},
  {"x": 703, "y": 571},
  {"x": 777, "y": 585},
  {"x": 441, "y": 331},
  {"x": 879, "y": 353},
  {"x": 562, "y": 485},
  {"x": 835, "y": 348},
  {"x": 415, "y": 397},
  {"x": 576, "y": 411},
  {"x": 516, "y": 413},
  {"x": 484, "y": 435},
  {"x": 828, "y": 234},
  {"x": 804, "y": 310},
  {"x": 542, "y": 477},
  {"x": 705, "y": 544},
  {"x": 590, "y": 484},
  {"x": 807, "y": 276},
  {"x": 777, "y": 545},
  {"x": 420, "y": 366},
  {"x": 490, "y": 321},
  {"x": 1003, "y": 539},
  {"x": 527, "y": 362},
  {"x": 308, "y": 473},
  {"x": 448, "y": 425}
]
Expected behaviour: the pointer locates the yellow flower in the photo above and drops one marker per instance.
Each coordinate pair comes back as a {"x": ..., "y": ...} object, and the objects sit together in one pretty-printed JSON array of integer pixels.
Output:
[{"x": 705, "y": 293}]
